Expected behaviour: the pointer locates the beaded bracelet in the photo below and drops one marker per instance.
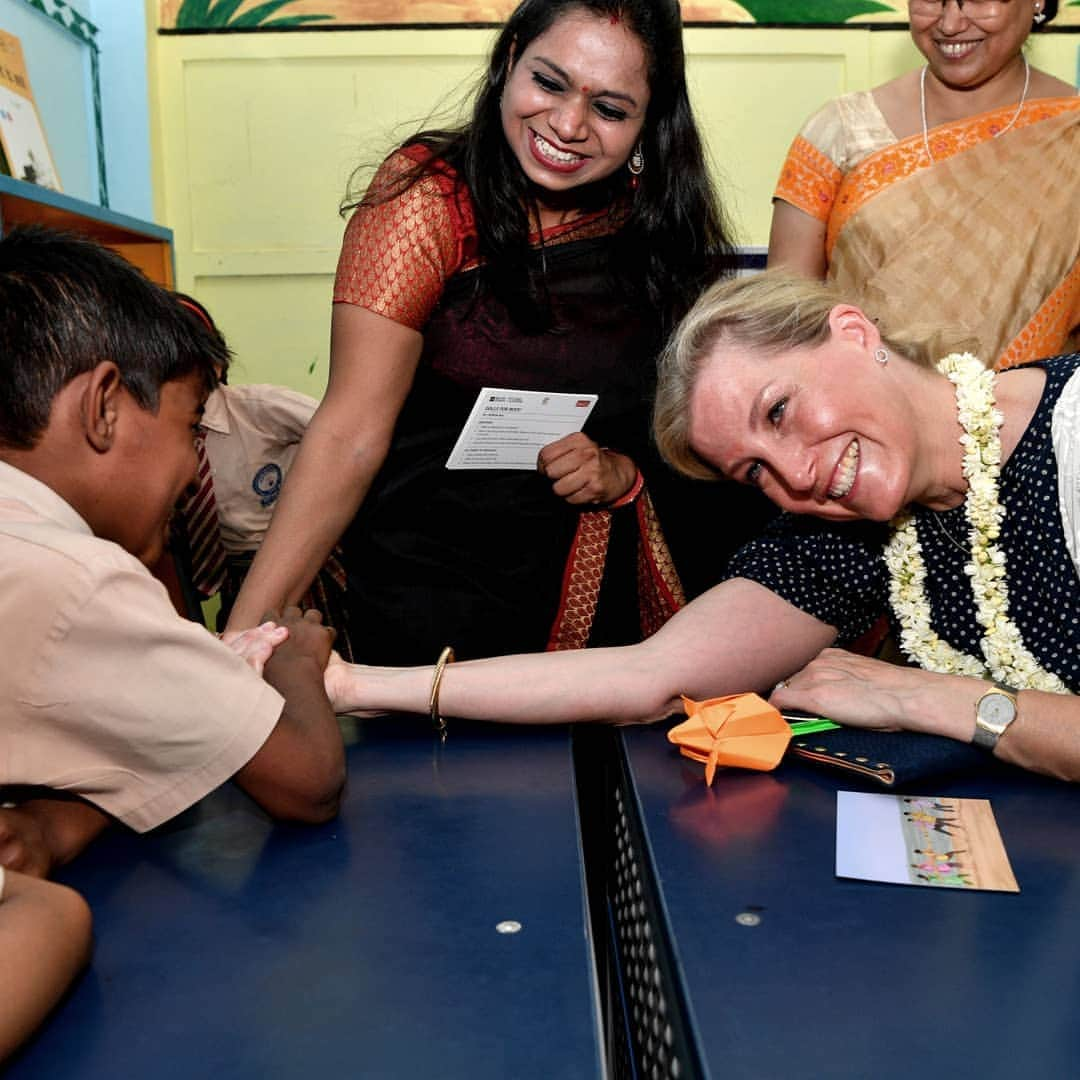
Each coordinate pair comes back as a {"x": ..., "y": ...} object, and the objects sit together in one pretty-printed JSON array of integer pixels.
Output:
[{"x": 445, "y": 657}]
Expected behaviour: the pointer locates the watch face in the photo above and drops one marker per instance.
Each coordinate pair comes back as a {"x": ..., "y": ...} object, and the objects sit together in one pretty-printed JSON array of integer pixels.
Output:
[{"x": 996, "y": 710}]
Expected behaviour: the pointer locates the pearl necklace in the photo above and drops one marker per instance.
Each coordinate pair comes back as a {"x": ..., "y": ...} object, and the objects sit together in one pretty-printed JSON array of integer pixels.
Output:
[
  {"x": 922, "y": 107},
  {"x": 1004, "y": 655}
]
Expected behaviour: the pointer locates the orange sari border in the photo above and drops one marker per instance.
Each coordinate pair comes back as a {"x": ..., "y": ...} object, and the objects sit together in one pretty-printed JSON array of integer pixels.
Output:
[
  {"x": 809, "y": 180},
  {"x": 1049, "y": 326},
  {"x": 891, "y": 164}
]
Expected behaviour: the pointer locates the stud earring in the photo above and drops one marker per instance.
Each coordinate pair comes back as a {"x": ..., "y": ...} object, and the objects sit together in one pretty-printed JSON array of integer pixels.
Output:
[{"x": 881, "y": 356}]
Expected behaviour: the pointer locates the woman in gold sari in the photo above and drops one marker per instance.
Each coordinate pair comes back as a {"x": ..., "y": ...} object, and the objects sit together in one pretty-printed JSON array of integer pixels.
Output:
[{"x": 950, "y": 192}]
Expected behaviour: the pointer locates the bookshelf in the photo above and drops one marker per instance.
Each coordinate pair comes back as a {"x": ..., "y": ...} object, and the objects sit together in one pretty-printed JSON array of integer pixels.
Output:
[{"x": 145, "y": 245}]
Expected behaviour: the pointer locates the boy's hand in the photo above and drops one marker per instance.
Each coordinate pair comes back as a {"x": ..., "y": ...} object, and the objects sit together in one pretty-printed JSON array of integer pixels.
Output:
[
  {"x": 307, "y": 637},
  {"x": 299, "y": 772},
  {"x": 23, "y": 846},
  {"x": 39, "y": 835},
  {"x": 257, "y": 644}
]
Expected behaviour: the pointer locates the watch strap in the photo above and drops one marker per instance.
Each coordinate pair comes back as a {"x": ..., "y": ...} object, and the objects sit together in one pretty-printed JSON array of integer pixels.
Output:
[{"x": 986, "y": 737}]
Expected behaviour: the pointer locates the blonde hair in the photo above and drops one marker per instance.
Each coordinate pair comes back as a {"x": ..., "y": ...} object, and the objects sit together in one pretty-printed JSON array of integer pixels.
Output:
[{"x": 767, "y": 313}]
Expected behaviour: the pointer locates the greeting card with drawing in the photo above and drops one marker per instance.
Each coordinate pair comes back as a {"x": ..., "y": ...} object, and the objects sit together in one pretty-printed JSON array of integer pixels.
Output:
[{"x": 921, "y": 840}]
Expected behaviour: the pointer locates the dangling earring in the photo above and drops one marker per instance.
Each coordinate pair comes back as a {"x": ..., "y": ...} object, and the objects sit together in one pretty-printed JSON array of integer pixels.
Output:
[
  {"x": 1039, "y": 16},
  {"x": 881, "y": 356},
  {"x": 636, "y": 165}
]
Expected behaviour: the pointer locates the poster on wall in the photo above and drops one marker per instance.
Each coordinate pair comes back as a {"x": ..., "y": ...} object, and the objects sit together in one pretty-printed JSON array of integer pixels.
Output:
[
  {"x": 25, "y": 151},
  {"x": 211, "y": 15}
]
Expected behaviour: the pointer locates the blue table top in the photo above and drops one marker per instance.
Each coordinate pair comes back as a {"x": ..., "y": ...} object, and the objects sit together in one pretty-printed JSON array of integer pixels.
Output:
[
  {"x": 230, "y": 947},
  {"x": 849, "y": 978}
]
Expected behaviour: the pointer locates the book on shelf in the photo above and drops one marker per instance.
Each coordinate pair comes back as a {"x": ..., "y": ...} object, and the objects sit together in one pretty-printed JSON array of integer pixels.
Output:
[{"x": 25, "y": 151}]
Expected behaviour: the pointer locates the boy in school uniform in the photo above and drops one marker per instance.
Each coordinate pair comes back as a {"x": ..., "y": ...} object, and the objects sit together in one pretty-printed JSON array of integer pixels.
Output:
[
  {"x": 108, "y": 698},
  {"x": 251, "y": 434}
]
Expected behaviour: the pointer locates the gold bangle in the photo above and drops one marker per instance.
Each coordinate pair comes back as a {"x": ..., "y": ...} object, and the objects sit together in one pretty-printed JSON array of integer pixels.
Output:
[{"x": 445, "y": 657}]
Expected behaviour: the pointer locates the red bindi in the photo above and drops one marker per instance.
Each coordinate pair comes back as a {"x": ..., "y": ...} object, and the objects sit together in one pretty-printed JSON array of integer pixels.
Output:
[
  {"x": 615, "y": 19},
  {"x": 584, "y": 89}
]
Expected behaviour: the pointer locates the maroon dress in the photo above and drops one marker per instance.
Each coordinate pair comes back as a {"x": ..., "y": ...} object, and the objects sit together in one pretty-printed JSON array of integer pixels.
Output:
[{"x": 492, "y": 561}]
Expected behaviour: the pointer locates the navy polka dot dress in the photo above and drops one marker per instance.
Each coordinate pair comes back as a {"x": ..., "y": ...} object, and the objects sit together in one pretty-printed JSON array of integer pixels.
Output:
[{"x": 836, "y": 572}]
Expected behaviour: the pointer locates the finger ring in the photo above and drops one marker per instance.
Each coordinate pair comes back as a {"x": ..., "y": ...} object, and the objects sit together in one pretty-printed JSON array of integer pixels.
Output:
[{"x": 782, "y": 684}]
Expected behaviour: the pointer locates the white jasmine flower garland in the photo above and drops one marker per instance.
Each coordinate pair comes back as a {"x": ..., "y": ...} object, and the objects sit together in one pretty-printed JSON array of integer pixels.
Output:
[{"x": 1006, "y": 658}]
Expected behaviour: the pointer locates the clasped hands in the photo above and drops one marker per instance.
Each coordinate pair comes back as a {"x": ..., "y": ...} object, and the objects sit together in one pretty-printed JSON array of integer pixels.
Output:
[
  {"x": 304, "y": 629},
  {"x": 585, "y": 474}
]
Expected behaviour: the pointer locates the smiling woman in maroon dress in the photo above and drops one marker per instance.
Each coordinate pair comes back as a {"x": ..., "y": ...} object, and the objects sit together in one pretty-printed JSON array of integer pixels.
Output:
[{"x": 549, "y": 244}]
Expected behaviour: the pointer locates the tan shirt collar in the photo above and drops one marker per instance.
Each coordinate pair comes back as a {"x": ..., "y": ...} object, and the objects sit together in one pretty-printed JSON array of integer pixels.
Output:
[
  {"x": 17, "y": 486},
  {"x": 216, "y": 413}
]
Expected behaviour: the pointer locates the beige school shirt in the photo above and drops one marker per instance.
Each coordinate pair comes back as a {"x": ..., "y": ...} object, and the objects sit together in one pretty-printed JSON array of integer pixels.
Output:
[
  {"x": 252, "y": 435},
  {"x": 105, "y": 691}
]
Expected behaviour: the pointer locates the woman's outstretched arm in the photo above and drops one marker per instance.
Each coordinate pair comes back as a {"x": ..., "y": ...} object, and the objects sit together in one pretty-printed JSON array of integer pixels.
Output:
[{"x": 737, "y": 636}]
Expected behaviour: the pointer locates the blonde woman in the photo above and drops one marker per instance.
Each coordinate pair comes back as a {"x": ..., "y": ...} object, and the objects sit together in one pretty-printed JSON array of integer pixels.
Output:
[{"x": 899, "y": 469}]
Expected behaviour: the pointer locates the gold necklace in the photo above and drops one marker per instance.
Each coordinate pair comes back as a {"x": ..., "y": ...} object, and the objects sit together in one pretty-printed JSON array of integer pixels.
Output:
[{"x": 943, "y": 529}]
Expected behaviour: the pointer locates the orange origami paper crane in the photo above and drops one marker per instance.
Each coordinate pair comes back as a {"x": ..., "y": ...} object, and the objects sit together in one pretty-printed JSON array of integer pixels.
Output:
[{"x": 740, "y": 729}]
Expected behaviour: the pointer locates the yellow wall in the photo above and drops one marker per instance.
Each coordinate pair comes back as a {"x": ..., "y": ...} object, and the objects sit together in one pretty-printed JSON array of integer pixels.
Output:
[{"x": 255, "y": 136}]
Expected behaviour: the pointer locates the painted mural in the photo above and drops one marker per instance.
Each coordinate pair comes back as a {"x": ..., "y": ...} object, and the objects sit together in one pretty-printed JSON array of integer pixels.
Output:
[{"x": 210, "y": 15}]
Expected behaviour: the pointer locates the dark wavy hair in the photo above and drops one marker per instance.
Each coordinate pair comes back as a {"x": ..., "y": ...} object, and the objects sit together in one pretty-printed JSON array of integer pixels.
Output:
[
  {"x": 675, "y": 238},
  {"x": 66, "y": 304}
]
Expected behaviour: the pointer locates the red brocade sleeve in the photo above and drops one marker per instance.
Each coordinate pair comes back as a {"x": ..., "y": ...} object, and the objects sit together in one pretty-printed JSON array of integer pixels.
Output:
[{"x": 399, "y": 249}]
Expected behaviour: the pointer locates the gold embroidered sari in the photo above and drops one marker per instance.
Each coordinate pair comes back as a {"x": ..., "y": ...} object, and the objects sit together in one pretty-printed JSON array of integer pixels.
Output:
[{"x": 985, "y": 239}]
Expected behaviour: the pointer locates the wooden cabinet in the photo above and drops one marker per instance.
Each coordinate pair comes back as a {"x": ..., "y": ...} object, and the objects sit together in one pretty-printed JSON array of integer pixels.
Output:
[{"x": 147, "y": 246}]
